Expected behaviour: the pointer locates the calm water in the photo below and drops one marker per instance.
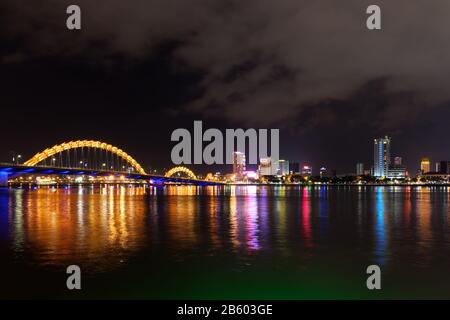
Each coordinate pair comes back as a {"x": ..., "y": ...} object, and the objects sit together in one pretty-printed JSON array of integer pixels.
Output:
[{"x": 225, "y": 242}]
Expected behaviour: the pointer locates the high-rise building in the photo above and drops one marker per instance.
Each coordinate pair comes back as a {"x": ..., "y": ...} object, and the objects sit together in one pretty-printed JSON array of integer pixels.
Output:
[
  {"x": 360, "y": 169},
  {"x": 283, "y": 167},
  {"x": 294, "y": 167},
  {"x": 425, "y": 165},
  {"x": 307, "y": 170},
  {"x": 382, "y": 156},
  {"x": 265, "y": 167},
  {"x": 323, "y": 172},
  {"x": 238, "y": 163}
]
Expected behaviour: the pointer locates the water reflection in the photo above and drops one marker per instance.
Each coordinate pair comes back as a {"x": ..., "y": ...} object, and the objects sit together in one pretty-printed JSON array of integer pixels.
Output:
[
  {"x": 380, "y": 227},
  {"x": 82, "y": 226},
  {"x": 306, "y": 217},
  {"x": 252, "y": 222},
  {"x": 103, "y": 228}
]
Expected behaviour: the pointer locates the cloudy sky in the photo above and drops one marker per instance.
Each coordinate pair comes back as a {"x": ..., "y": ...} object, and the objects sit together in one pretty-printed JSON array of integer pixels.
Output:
[{"x": 139, "y": 69}]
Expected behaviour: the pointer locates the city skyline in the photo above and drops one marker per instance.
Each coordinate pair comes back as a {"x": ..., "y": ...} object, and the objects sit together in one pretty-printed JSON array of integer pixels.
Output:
[{"x": 393, "y": 161}]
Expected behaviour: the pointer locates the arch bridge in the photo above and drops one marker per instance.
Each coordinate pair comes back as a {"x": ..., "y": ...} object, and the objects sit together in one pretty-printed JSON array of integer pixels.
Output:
[
  {"x": 177, "y": 170},
  {"x": 92, "y": 158}
]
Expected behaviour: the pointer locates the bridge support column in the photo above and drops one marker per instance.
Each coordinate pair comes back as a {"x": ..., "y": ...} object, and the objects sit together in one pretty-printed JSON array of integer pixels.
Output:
[{"x": 3, "y": 179}]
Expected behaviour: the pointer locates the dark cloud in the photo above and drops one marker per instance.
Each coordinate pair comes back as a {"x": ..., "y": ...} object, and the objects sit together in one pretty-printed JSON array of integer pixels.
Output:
[{"x": 259, "y": 56}]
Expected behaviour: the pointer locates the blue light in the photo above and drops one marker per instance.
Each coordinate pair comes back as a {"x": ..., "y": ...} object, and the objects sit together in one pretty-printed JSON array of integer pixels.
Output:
[{"x": 380, "y": 246}]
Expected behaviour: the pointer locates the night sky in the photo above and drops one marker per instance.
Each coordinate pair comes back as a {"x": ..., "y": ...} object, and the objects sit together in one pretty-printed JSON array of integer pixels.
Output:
[{"x": 140, "y": 69}]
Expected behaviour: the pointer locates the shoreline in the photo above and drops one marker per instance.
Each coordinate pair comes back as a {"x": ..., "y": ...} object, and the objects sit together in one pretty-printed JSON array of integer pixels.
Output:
[{"x": 77, "y": 185}]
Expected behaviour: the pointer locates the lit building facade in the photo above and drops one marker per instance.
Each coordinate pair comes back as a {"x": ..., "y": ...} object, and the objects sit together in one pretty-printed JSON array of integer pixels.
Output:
[
  {"x": 283, "y": 167},
  {"x": 425, "y": 165},
  {"x": 382, "y": 156},
  {"x": 275, "y": 167},
  {"x": 307, "y": 170},
  {"x": 238, "y": 163},
  {"x": 397, "y": 172},
  {"x": 265, "y": 167},
  {"x": 360, "y": 169}
]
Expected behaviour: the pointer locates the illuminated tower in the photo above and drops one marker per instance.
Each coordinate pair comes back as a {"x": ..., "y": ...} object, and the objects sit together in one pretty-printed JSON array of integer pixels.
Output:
[
  {"x": 238, "y": 163},
  {"x": 425, "y": 165},
  {"x": 382, "y": 156}
]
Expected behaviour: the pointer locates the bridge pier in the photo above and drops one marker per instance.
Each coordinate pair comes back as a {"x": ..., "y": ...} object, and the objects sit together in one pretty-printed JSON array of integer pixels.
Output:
[{"x": 3, "y": 179}]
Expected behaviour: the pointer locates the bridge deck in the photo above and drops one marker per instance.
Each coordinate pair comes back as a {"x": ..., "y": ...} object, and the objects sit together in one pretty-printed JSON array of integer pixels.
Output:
[{"x": 17, "y": 169}]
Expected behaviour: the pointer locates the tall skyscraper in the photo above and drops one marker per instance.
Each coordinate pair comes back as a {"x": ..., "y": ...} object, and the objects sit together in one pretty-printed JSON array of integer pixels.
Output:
[
  {"x": 425, "y": 165},
  {"x": 382, "y": 156},
  {"x": 323, "y": 172},
  {"x": 265, "y": 167},
  {"x": 360, "y": 169},
  {"x": 238, "y": 163}
]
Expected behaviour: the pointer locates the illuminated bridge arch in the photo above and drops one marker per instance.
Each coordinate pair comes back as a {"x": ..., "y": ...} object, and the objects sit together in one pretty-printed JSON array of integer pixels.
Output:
[
  {"x": 185, "y": 170},
  {"x": 50, "y": 153}
]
